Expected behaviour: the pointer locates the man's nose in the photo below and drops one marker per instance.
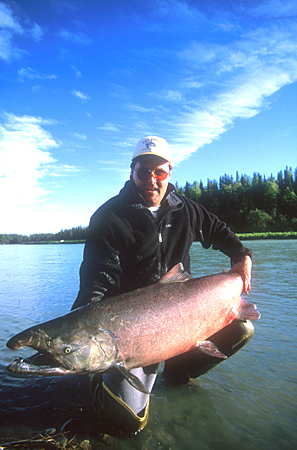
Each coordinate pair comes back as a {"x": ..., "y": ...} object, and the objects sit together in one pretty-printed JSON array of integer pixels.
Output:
[{"x": 153, "y": 178}]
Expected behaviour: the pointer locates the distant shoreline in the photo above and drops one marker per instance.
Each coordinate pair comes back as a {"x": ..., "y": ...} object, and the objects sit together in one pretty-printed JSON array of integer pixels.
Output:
[
  {"x": 242, "y": 236},
  {"x": 267, "y": 235}
]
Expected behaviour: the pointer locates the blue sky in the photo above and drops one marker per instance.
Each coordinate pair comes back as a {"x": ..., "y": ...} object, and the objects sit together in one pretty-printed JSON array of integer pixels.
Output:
[{"x": 82, "y": 81}]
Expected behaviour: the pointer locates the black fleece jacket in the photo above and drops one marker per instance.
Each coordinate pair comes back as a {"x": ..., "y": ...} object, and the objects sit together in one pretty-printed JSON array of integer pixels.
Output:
[{"x": 127, "y": 248}]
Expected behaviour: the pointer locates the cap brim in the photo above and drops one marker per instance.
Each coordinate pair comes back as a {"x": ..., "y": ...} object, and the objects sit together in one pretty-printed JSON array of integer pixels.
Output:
[{"x": 151, "y": 154}]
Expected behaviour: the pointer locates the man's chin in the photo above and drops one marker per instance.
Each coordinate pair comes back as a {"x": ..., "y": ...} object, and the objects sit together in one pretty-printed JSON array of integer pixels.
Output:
[{"x": 151, "y": 200}]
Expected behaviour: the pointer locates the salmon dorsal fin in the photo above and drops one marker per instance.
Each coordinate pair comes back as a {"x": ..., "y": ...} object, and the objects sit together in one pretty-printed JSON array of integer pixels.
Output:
[{"x": 176, "y": 275}]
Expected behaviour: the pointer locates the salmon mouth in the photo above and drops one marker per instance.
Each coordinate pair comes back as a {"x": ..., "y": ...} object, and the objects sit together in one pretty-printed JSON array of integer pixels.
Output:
[
  {"x": 48, "y": 360},
  {"x": 38, "y": 364}
]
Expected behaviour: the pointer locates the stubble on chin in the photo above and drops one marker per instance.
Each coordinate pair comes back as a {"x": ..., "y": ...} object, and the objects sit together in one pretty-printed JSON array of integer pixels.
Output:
[{"x": 151, "y": 200}]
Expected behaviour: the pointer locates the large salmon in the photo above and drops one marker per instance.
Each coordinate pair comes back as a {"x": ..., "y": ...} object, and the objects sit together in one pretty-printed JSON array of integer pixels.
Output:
[{"x": 138, "y": 328}]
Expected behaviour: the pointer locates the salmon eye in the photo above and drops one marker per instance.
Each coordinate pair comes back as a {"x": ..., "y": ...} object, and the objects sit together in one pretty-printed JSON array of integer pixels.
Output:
[{"x": 66, "y": 349}]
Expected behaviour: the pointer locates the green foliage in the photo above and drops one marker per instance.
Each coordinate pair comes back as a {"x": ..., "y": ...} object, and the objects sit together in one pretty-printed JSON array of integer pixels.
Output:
[
  {"x": 268, "y": 235},
  {"x": 258, "y": 220},
  {"x": 250, "y": 204},
  {"x": 77, "y": 234},
  {"x": 264, "y": 207}
]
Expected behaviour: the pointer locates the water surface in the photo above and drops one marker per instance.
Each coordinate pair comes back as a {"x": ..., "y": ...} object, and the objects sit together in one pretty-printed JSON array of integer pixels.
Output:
[{"x": 248, "y": 401}]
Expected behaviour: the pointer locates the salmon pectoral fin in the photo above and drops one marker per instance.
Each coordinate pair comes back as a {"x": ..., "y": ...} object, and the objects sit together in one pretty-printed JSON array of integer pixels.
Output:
[
  {"x": 247, "y": 311},
  {"x": 210, "y": 349},
  {"x": 132, "y": 379}
]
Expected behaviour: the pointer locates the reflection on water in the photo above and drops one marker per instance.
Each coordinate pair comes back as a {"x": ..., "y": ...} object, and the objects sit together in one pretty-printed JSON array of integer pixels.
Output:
[{"x": 247, "y": 402}]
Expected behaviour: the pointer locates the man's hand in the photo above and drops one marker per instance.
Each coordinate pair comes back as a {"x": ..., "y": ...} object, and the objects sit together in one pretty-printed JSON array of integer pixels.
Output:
[{"x": 244, "y": 268}]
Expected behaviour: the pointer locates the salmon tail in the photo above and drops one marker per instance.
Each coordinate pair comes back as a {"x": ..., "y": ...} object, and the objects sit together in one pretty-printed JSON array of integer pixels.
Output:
[{"x": 247, "y": 311}]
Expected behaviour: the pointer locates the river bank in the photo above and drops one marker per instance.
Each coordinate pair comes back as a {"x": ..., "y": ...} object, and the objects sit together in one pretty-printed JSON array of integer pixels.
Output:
[
  {"x": 242, "y": 236},
  {"x": 267, "y": 235}
]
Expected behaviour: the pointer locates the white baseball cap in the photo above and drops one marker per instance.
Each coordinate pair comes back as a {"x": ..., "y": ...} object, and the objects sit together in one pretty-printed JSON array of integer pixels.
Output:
[{"x": 153, "y": 145}]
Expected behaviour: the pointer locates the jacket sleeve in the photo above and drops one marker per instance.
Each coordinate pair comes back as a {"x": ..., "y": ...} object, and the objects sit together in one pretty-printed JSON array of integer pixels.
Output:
[
  {"x": 100, "y": 271},
  {"x": 211, "y": 231}
]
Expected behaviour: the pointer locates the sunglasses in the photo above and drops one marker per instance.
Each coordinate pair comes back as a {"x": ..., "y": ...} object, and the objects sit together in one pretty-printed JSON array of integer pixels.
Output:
[{"x": 145, "y": 174}]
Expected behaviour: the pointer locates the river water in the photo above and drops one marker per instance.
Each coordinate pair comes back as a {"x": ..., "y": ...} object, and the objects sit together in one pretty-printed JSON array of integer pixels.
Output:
[{"x": 247, "y": 402}]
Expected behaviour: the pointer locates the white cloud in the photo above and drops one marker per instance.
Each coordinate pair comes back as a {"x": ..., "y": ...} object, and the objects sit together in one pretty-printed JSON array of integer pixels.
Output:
[
  {"x": 198, "y": 53},
  {"x": 7, "y": 20},
  {"x": 176, "y": 12},
  {"x": 77, "y": 72},
  {"x": 80, "y": 136},
  {"x": 32, "y": 74},
  {"x": 63, "y": 170},
  {"x": 80, "y": 95},
  {"x": 109, "y": 127},
  {"x": 275, "y": 9},
  {"x": 202, "y": 126},
  {"x": 77, "y": 38},
  {"x": 24, "y": 160},
  {"x": 243, "y": 75},
  {"x": 191, "y": 84},
  {"x": 118, "y": 91},
  {"x": 170, "y": 95},
  {"x": 139, "y": 108},
  {"x": 64, "y": 6},
  {"x": 10, "y": 27},
  {"x": 28, "y": 174},
  {"x": 37, "y": 32},
  {"x": 273, "y": 46}
]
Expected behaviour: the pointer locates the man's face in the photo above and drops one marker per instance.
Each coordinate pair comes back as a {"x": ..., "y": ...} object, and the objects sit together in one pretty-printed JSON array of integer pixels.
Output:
[{"x": 151, "y": 189}]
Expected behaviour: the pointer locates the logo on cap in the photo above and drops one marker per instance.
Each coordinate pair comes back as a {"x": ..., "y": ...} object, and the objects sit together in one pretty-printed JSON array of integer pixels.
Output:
[{"x": 150, "y": 144}]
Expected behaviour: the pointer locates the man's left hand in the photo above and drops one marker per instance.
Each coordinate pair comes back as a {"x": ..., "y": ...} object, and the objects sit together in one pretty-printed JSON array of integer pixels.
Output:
[{"x": 244, "y": 268}]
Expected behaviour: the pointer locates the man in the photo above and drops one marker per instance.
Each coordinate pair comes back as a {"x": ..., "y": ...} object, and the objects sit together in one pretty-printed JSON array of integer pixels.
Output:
[{"x": 134, "y": 239}]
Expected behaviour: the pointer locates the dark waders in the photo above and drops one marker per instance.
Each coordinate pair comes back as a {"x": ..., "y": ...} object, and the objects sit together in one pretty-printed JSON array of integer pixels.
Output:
[{"x": 122, "y": 410}]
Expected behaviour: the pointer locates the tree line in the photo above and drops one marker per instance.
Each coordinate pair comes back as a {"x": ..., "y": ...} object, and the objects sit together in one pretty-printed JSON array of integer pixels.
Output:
[
  {"x": 77, "y": 234},
  {"x": 247, "y": 204},
  {"x": 250, "y": 204}
]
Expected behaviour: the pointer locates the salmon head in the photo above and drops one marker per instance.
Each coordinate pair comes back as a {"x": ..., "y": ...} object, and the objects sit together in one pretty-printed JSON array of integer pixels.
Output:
[{"x": 69, "y": 344}]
